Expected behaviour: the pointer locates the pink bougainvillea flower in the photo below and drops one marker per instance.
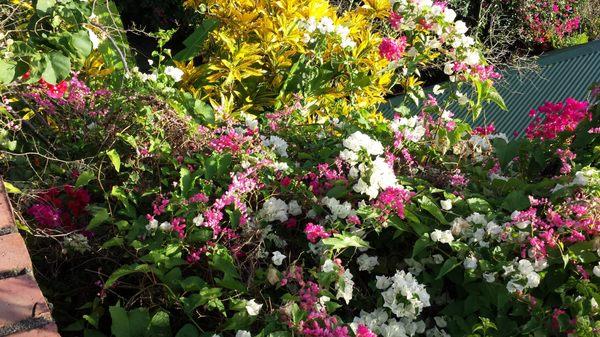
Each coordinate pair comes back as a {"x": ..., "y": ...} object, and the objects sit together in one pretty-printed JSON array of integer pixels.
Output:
[
  {"x": 392, "y": 49},
  {"x": 554, "y": 118},
  {"x": 315, "y": 232}
]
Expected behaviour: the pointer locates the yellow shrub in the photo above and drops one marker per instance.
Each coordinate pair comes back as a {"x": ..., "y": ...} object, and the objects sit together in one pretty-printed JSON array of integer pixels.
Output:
[{"x": 260, "y": 50}]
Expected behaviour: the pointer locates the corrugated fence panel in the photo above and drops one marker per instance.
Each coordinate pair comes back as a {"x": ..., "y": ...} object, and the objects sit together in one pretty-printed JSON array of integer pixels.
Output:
[{"x": 562, "y": 73}]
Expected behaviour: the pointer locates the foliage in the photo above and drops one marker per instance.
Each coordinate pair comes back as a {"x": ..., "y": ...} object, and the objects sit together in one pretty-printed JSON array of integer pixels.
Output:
[{"x": 159, "y": 204}]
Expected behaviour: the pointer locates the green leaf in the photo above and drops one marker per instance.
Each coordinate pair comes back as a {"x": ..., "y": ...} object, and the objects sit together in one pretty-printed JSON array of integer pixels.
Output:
[
  {"x": 193, "y": 43},
  {"x": 43, "y": 5},
  {"x": 10, "y": 188},
  {"x": 84, "y": 178},
  {"x": 126, "y": 270},
  {"x": 433, "y": 209},
  {"x": 81, "y": 43},
  {"x": 421, "y": 244},
  {"x": 494, "y": 96},
  {"x": 188, "y": 330},
  {"x": 160, "y": 325},
  {"x": 479, "y": 205},
  {"x": 100, "y": 217},
  {"x": 239, "y": 321},
  {"x": 138, "y": 322},
  {"x": 114, "y": 242},
  {"x": 185, "y": 180},
  {"x": 7, "y": 71},
  {"x": 337, "y": 191},
  {"x": 115, "y": 159},
  {"x": 222, "y": 261},
  {"x": 120, "y": 321},
  {"x": 341, "y": 241},
  {"x": 58, "y": 67},
  {"x": 515, "y": 201},
  {"x": 448, "y": 265}
]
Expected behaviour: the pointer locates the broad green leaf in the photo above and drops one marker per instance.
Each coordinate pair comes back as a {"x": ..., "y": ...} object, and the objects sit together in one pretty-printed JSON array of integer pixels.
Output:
[
  {"x": 188, "y": 330},
  {"x": 185, "y": 180},
  {"x": 43, "y": 5},
  {"x": 114, "y": 242},
  {"x": 10, "y": 188},
  {"x": 120, "y": 321},
  {"x": 84, "y": 178},
  {"x": 100, "y": 217},
  {"x": 433, "y": 209},
  {"x": 448, "y": 265},
  {"x": 124, "y": 271},
  {"x": 341, "y": 241},
  {"x": 337, "y": 191},
  {"x": 160, "y": 325},
  {"x": 479, "y": 205},
  {"x": 58, "y": 67},
  {"x": 194, "y": 43},
  {"x": 7, "y": 71},
  {"x": 421, "y": 244},
  {"x": 115, "y": 159},
  {"x": 516, "y": 201},
  {"x": 81, "y": 43}
]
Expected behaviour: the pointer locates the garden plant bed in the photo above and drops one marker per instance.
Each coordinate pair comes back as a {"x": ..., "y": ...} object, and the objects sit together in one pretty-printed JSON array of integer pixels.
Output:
[
  {"x": 247, "y": 184},
  {"x": 24, "y": 311}
]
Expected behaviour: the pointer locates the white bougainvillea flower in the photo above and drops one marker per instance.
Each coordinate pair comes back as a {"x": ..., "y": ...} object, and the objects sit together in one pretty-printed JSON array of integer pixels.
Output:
[{"x": 253, "y": 308}]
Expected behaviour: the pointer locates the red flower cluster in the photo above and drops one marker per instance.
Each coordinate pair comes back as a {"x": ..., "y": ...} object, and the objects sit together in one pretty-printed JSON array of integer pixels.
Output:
[
  {"x": 559, "y": 117},
  {"x": 61, "y": 207}
]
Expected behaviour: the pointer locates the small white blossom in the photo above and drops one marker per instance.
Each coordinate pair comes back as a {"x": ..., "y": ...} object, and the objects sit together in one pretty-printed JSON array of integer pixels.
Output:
[
  {"x": 152, "y": 225},
  {"x": 165, "y": 226},
  {"x": 174, "y": 72},
  {"x": 253, "y": 308},
  {"x": 242, "y": 333},
  {"x": 446, "y": 204},
  {"x": 198, "y": 220},
  {"x": 274, "y": 209},
  {"x": 277, "y": 258},
  {"x": 294, "y": 208},
  {"x": 366, "y": 262},
  {"x": 470, "y": 263},
  {"x": 442, "y": 236}
]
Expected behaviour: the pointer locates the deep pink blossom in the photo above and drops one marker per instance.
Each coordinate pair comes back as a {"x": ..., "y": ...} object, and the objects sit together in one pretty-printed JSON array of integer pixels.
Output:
[
  {"x": 315, "y": 232},
  {"x": 392, "y": 49}
]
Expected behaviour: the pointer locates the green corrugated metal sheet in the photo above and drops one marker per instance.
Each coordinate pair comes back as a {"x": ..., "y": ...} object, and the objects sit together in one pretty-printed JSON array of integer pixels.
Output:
[{"x": 562, "y": 73}]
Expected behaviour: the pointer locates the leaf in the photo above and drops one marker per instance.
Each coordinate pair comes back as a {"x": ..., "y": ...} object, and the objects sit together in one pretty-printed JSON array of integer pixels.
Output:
[
  {"x": 43, "y": 5},
  {"x": 421, "y": 245},
  {"x": 7, "y": 71},
  {"x": 433, "y": 209},
  {"x": 84, "y": 178},
  {"x": 120, "y": 321},
  {"x": 479, "y": 205},
  {"x": 114, "y": 242},
  {"x": 124, "y": 271},
  {"x": 193, "y": 43},
  {"x": 222, "y": 261},
  {"x": 188, "y": 330},
  {"x": 341, "y": 241},
  {"x": 160, "y": 325},
  {"x": 10, "y": 188},
  {"x": 515, "y": 201},
  {"x": 100, "y": 217},
  {"x": 448, "y": 265},
  {"x": 58, "y": 67},
  {"x": 185, "y": 180},
  {"x": 115, "y": 159},
  {"x": 239, "y": 321},
  {"x": 81, "y": 43},
  {"x": 495, "y": 97},
  {"x": 337, "y": 191}
]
